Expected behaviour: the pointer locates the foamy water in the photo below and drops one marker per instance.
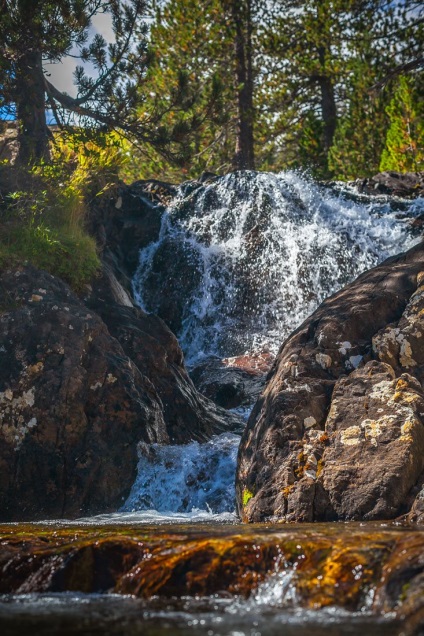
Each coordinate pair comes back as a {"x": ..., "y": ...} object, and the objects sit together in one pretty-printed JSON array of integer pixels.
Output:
[
  {"x": 190, "y": 479},
  {"x": 265, "y": 250}
]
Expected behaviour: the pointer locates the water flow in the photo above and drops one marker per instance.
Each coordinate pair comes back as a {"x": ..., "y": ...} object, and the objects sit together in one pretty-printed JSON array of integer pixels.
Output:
[
  {"x": 242, "y": 261},
  {"x": 186, "y": 479},
  {"x": 238, "y": 265}
]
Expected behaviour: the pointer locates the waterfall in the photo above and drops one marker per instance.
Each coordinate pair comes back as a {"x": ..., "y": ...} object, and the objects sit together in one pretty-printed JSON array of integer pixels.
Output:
[
  {"x": 186, "y": 478},
  {"x": 242, "y": 261}
]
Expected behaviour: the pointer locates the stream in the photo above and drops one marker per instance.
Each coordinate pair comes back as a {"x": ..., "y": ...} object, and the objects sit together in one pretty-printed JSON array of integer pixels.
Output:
[
  {"x": 222, "y": 579},
  {"x": 239, "y": 264}
]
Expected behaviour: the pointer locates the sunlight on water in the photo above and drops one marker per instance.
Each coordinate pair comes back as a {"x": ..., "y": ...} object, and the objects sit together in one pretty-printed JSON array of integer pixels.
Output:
[
  {"x": 250, "y": 256},
  {"x": 150, "y": 517}
]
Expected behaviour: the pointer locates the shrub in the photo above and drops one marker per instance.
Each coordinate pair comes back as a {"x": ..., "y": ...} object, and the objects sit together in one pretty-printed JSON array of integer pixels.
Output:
[{"x": 43, "y": 208}]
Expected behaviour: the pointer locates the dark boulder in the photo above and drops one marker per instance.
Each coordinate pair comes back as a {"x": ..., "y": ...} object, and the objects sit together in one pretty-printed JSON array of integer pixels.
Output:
[
  {"x": 338, "y": 432},
  {"x": 78, "y": 393},
  {"x": 73, "y": 405},
  {"x": 406, "y": 185},
  {"x": 123, "y": 221},
  {"x": 150, "y": 344}
]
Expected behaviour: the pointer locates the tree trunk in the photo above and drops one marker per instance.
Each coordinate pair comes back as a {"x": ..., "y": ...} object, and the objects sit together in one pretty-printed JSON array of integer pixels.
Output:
[
  {"x": 244, "y": 158},
  {"x": 328, "y": 105},
  {"x": 33, "y": 135}
]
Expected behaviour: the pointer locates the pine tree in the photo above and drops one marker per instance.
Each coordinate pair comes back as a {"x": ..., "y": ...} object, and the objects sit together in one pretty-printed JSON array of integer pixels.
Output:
[
  {"x": 203, "y": 52},
  {"x": 303, "y": 46},
  {"x": 35, "y": 31},
  {"x": 240, "y": 13},
  {"x": 189, "y": 83},
  {"x": 362, "y": 122},
  {"x": 325, "y": 55},
  {"x": 404, "y": 148}
]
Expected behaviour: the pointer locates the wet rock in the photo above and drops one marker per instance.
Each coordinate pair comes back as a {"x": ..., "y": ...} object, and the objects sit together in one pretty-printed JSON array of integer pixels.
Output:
[
  {"x": 126, "y": 219},
  {"x": 172, "y": 281},
  {"x": 154, "y": 349},
  {"x": 338, "y": 432},
  {"x": 78, "y": 394},
  {"x": 364, "y": 569},
  {"x": 407, "y": 185},
  {"x": 73, "y": 405},
  {"x": 256, "y": 363},
  {"x": 416, "y": 514},
  {"x": 231, "y": 382}
]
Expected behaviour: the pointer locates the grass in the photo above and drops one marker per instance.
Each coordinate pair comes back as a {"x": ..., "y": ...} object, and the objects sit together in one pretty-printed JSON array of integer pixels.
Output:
[{"x": 43, "y": 210}]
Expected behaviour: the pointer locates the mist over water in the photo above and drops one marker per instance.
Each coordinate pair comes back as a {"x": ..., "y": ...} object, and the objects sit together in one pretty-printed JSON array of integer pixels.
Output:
[{"x": 261, "y": 252}]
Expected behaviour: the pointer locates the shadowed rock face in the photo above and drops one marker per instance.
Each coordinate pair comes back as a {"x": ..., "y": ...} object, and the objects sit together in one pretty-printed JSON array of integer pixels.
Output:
[
  {"x": 77, "y": 396},
  {"x": 409, "y": 185},
  {"x": 232, "y": 382},
  {"x": 338, "y": 432},
  {"x": 73, "y": 406},
  {"x": 152, "y": 346}
]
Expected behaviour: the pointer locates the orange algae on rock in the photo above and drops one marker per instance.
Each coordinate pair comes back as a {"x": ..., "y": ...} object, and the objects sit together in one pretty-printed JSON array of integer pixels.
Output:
[{"x": 344, "y": 565}]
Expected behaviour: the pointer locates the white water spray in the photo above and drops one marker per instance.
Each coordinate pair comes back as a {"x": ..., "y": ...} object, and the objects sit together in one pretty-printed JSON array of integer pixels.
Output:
[
  {"x": 186, "y": 479},
  {"x": 260, "y": 252}
]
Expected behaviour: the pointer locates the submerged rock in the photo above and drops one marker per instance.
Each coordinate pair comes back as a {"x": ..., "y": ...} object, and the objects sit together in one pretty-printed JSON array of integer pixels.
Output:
[
  {"x": 375, "y": 570},
  {"x": 338, "y": 432}
]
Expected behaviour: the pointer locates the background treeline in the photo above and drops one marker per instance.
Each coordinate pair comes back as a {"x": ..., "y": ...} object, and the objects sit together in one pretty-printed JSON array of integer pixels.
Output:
[
  {"x": 332, "y": 85},
  {"x": 335, "y": 86},
  {"x": 188, "y": 86}
]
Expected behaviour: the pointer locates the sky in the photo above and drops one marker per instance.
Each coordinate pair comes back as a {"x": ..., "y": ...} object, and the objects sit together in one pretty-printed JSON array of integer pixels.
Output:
[{"x": 60, "y": 74}]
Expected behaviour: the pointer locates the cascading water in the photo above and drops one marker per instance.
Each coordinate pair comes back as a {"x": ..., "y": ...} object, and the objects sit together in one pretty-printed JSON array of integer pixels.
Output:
[
  {"x": 242, "y": 261},
  {"x": 239, "y": 263},
  {"x": 187, "y": 478}
]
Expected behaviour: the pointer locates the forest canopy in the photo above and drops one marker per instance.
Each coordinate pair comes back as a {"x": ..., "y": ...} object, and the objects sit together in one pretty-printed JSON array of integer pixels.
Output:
[{"x": 334, "y": 86}]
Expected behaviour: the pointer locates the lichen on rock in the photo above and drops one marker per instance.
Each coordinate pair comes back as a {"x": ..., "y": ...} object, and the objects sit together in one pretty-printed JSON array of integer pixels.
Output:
[{"x": 352, "y": 446}]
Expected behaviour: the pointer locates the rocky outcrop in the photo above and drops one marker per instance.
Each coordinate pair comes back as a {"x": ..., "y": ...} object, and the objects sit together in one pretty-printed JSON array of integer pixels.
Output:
[
  {"x": 77, "y": 394},
  {"x": 150, "y": 344},
  {"x": 338, "y": 432},
  {"x": 73, "y": 406},
  {"x": 124, "y": 220},
  {"x": 407, "y": 185}
]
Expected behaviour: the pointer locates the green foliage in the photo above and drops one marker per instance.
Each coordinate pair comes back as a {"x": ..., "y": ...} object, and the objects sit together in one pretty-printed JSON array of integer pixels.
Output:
[
  {"x": 359, "y": 137},
  {"x": 404, "y": 149},
  {"x": 35, "y": 31},
  {"x": 246, "y": 497},
  {"x": 64, "y": 252},
  {"x": 190, "y": 81},
  {"x": 43, "y": 208},
  {"x": 323, "y": 57},
  {"x": 177, "y": 92}
]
